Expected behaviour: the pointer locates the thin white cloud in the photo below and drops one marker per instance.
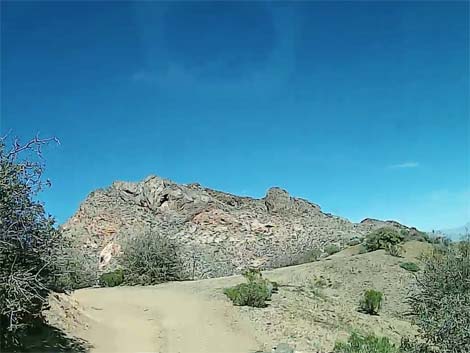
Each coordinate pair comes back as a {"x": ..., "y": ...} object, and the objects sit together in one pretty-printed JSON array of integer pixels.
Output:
[{"x": 405, "y": 165}]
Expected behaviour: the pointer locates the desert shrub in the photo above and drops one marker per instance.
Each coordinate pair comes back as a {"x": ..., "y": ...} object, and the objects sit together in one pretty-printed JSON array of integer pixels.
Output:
[
  {"x": 383, "y": 238},
  {"x": 314, "y": 255},
  {"x": 354, "y": 241},
  {"x": 112, "y": 279},
  {"x": 422, "y": 237},
  {"x": 310, "y": 255},
  {"x": 255, "y": 293},
  {"x": 410, "y": 266},
  {"x": 332, "y": 249},
  {"x": 371, "y": 302},
  {"x": 285, "y": 258},
  {"x": 27, "y": 237},
  {"x": 440, "y": 299},
  {"x": 362, "y": 250},
  {"x": 73, "y": 268},
  {"x": 394, "y": 250},
  {"x": 410, "y": 345},
  {"x": 253, "y": 274},
  {"x": 151, "y": 258},
  {"x": 365, "y": 344},
  {"x": 405, "y": 233},
  {"x": 414, "y": 234}
]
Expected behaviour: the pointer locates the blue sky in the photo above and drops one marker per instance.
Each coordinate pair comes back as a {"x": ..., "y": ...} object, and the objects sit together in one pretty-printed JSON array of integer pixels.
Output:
[{"x": 361, "y": 107}]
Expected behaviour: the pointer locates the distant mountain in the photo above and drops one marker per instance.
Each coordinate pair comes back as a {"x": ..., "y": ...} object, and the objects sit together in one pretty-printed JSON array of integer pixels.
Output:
[{"x": 456, "y": 233}]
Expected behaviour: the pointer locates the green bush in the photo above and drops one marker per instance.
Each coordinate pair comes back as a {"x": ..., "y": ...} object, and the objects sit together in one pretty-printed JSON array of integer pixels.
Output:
[
  {"x": 440, "y": 299},
  {"x": 410, "y": 266},
  {"x": 383, "y": 238},
  {"x": 332, "y": 249},
  {"x": 255, "y": 293},
  {"x": 365, "y": 344},
  {"x": 371, "y": 302},
  {"x": 112, "y": 279},
  {"x": 151, "y": 258}
]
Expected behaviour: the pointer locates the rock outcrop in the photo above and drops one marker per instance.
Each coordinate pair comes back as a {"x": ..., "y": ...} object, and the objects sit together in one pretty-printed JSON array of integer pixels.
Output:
[{"x": 220, "y": 234}]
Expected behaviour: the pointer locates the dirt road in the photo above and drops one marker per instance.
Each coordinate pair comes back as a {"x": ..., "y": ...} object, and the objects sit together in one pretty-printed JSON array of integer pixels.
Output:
[{"x": 165, "y": 319}]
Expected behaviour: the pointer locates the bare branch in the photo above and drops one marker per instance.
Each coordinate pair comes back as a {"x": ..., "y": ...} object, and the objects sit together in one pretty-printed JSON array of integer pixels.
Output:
[{"x": 35, "y": 144}]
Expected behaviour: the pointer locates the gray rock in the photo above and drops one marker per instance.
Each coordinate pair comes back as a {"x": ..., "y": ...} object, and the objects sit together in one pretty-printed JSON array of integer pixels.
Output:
[
  {"x": 220, "y": 234},
  {"x": 278, "y": 200},
  {"x": 284, "y": 348}
]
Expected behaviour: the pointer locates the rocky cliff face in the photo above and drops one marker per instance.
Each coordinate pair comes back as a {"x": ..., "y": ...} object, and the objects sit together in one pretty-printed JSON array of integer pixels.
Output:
[{"x": 219, "y": 233}]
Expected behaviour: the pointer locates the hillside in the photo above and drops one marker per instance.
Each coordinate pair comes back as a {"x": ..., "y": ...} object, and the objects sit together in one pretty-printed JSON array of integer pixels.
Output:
[
  {"x": 316, "y": 305},
  {"x": 219, "y": 233}
]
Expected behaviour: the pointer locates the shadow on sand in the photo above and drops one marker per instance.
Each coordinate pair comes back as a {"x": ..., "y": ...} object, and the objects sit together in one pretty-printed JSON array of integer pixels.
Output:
[{"x": 43, "y": 338}]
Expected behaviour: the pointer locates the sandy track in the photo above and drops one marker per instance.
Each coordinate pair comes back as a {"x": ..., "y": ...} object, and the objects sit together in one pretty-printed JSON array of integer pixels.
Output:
[{"x": 164, "y": 319}]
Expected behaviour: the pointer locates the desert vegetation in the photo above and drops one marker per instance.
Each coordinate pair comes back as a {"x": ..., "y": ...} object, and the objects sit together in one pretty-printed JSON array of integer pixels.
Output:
[
  {"x": 150, "y": 258},
  {"x": 383, "y": 238},
  {"x": 358, "y": 343},
  {"x": 255, "y": 293},
  {"x": 332, "y": 249},
  {"x": 371, "y": 302},
  {"x": 440, "y": 299},
  {"x": 32, "y": 250},
  {"x": 409, "y": 266}
]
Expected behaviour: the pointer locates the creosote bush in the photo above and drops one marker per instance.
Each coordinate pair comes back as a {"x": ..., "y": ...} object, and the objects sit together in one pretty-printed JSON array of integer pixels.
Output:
[
  {"x": 410, "y": 266},
  {"x": 255, "y": 293},
  {"x": 365, "y": 344},
  {"x": 371, "y": 302},
  {"x": 151, "y": 258},
  {"x": 112, "y": 279},
  {"x": 383, "y": 238},
  {"x": 332, "y": 249},
  {"x": 440, "y": 300}
]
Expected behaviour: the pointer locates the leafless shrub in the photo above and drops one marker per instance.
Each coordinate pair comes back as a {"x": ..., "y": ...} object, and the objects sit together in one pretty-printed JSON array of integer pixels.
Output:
[
  {"x": 151, "y": 258},
  {"x": 27, "y": 239}
]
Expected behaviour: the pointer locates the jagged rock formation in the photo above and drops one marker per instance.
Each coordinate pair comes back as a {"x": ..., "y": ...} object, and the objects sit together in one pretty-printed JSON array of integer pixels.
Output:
[{"x": 219, "y": 233}]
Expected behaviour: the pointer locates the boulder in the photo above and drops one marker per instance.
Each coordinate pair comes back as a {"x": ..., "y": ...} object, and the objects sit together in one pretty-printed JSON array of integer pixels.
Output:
[{"x": 278, "y": 200}]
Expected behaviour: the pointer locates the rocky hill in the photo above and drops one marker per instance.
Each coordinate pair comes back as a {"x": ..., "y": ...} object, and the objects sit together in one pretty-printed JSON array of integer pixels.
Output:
[{"x": 219, "y": 233}]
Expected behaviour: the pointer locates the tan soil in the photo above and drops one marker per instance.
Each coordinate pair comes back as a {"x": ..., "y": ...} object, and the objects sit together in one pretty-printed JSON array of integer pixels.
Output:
[{"x": 316, "y": 305}]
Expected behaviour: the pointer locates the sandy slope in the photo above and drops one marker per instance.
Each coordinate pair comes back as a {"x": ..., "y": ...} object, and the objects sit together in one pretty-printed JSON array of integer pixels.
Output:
[
  {"x": 316, "y": 306},
  {"x": 169, "y": 318}
]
